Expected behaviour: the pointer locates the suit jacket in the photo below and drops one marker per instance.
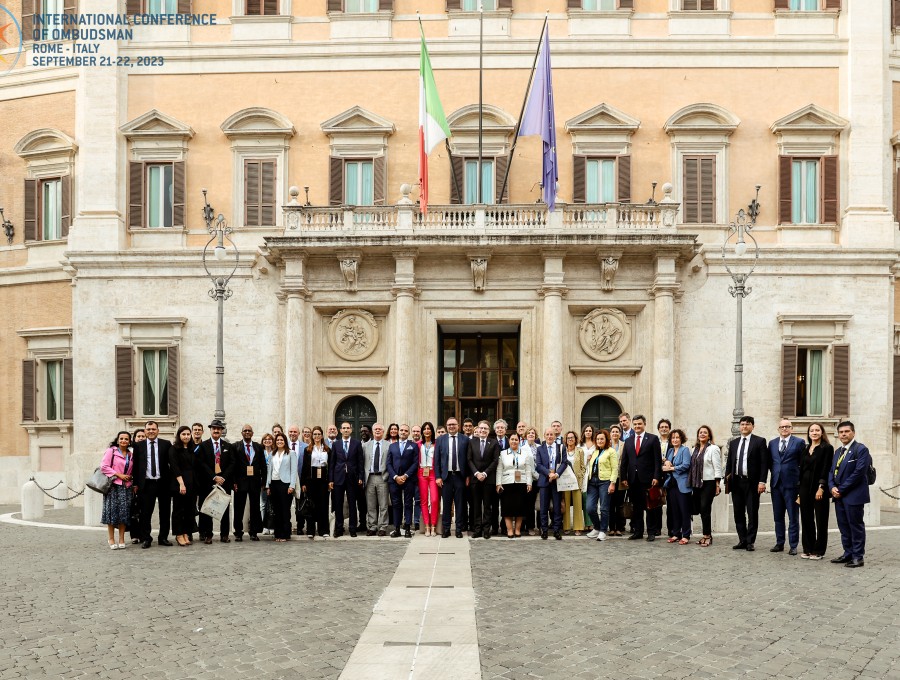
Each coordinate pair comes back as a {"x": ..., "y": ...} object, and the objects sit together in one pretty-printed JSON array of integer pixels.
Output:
[
  {"x": 345, "y": 466},
  {"x": 206, "y": 464},
  {"x": 306, "y": 471},
  {"x": 369, "y": 458},
  {"x": 542, "y": 462},
  {"x": 814, "y": 469},
  {"x": 643, "y": 466},
  {"x": 181, "y": 464},
  {"x": 486, "y": 463},
  {"x": 403, "y": 460},
  {"x": 163, "y": 448},
  {"x": 301, "y": 457},
  {"x": 442, "y": 455},
  {"x": 785, "y": 467},
  {"x": 501, "y": 445},
  {"x": 244, "y": 481},
  {"x": 851, "y": 479},
  {"x": 757, "y": 459}
]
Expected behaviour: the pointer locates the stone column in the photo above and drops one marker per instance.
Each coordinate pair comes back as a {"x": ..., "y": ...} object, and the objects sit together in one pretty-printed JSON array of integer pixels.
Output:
[
  {"x": 868, "y": 222},
  {"x": 404, "y": 327},
  {"x": 298, "y": 371},
  {"x": 553, "y": 355},
  {"x": 664, "y": 287}
]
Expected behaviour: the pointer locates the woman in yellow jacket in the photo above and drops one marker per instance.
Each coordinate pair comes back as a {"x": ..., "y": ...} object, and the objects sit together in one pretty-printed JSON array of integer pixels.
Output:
[{"x": 602, "y": 474}]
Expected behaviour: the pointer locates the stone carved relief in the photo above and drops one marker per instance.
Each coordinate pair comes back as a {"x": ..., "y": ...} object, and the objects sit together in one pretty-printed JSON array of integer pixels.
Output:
[
  {"x": 608, "y": 268},
  {"x": 353, "y": 334},
  {"x": 605, "y": 334},
  {"x": 349, "y": 270},
  {"x": 479, "y": 272}
]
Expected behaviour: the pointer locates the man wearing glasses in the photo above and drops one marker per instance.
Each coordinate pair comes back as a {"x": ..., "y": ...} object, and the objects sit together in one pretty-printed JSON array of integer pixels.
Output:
[{"x": 785, "y": 452}]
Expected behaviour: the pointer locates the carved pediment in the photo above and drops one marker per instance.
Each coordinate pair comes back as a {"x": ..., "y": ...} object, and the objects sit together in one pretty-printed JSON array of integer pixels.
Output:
[
  {"x": 357, "y": 119},
  {"x": 495, "y": 118},
  {"x": 602, "y": 117},
  {"x": 258, "y": 122},
  {"x": 810, "y": 118},
  {"x": 702, "y": 118},
  {"x": 154, "y": 123},
  {"x": 45, "y": 142}
]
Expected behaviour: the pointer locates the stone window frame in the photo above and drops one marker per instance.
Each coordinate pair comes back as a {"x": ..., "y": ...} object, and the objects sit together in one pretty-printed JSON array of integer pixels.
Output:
[
  {"x": 49, "y": 154},
  {"x": 42, "y": 346}
]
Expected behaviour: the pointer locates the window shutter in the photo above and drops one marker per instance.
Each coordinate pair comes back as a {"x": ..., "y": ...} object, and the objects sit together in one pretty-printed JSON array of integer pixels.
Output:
[
  {"x": 133, "y": 6},
  {"x": 336, "y": 181},
  {"x": 626, "y": 4},
  {"x": 707, "y": 190},
  {"x": 707, "y": 4},
  {"x": 457, "y": 168},
  {"x": 501, "y": 163},
  {"x": 575, "y": 4},
  {"x": 454, "y": 4},
  {"x": 833, "y": 4},
  {"x": 178, "y": 190},
  {"x": 69, "y": 6},
  {"x": 335, "y": 6},
  {"x": 31, "y": 210},
  {"x": 579, "y": 189},
  {"x": 788, "y": 380},
  {"x": 251, "y": 193},
  {"x": 270, "y": 7},
  {"x": 691, "y": 193},
  {"x": 785, "y": 190},
  {"x": 184, "y": 6},
  {"x": 379, "y": 167},
  {"x": 623, "y": 180},
  {"x": 504, "y": 4},
  {"x": 895, "y": 4},
  {"x": 65, "y": 219},
  {"x": 124, "y": 381},
  {"x": 135, "y": 195},
  {"x": 252, "y": 7},
  {"x": 67, "y": 402},
  {"x": 172, "y": 394},
  {"x": 782, "y": 4},
  {"x": 840, "y": 396},
  {"x": 28, "y": 13},
  {"x": 897, "y": 191},
  {"x": 830, "y": 189},
  {"x": 29, "y": 371},
  {"x": 386, "y": 5},
  {"x": 267, "y": 191}
]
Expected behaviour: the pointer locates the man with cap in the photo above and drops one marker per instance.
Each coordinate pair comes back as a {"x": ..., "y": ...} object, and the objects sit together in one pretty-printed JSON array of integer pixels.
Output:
[{"x": 215, "y": 465}]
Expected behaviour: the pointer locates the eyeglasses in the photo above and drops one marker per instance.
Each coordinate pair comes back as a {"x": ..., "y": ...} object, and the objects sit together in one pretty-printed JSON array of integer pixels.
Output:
[
  {"x": 785, "y": 427},
  {"x": 244, "y": 431}
]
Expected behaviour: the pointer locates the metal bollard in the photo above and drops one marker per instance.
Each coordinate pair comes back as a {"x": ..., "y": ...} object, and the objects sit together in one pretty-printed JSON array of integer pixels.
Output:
[
  {"x": 32, "y": 501},
  {"x": 93, "y": 507}
]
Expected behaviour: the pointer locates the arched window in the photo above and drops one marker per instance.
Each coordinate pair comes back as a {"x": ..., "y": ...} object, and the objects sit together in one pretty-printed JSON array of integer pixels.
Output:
[
  {"x": 357, "y": 411},
  {"x": 600, "y": 411}
]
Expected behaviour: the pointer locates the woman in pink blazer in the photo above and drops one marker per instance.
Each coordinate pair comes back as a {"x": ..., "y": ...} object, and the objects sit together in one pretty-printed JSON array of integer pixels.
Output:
[
  {"x": 428, "y": 491},
  {"x": 117, "y": 463}
]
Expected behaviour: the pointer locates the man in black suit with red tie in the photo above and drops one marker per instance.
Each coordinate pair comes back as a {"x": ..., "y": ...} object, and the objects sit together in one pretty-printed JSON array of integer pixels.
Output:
[
  {"x": 249, "y": 479},
  {"x": 345, "y": 476},
  {"x": 151, "y": 483},
  {"x": 215, "y": 465},
  {"x": 640, "y": 470},
  {"x": 745, "y": 478}
]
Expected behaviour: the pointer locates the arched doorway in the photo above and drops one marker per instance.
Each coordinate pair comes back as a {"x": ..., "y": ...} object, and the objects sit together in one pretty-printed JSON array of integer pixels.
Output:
[
  {"x": 357, "y": 411},
  {"x": 600, "y": 411}
]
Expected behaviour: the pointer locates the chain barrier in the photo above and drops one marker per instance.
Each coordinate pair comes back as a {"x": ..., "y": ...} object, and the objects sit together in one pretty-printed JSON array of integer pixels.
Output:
[
  {"x": 49, "y": 495},
  {"x": 890, "y": 488}
]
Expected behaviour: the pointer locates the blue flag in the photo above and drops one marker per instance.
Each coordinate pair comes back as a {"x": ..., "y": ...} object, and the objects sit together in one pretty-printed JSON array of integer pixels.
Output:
[{"x": 539, "y": 119}]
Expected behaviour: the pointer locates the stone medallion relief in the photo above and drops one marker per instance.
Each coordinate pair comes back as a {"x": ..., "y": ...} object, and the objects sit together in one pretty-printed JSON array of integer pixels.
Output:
[
  {"x": 605, "y": 334},
  {"x": 353, "y": 334}
]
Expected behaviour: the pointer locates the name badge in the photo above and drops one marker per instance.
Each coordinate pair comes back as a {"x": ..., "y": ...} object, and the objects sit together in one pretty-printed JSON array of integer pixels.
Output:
[
  {"x": 319, "y": 473},
  {"x": 426, "y": 471},
  {"x": 218, "y": 469},
  {"x": 518, "y": 475},
  {"x": 249, "y": 470}
]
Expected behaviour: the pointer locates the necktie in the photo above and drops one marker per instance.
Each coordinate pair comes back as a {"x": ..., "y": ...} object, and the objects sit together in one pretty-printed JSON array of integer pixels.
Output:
[
  {"x": 454, "y": 463},
  {"x": 740, "y": 470},
  {"x": 843, "y": 452},
  {"x": 482, "y": 448},
  {"x": 783, "y": 446},
  {"x": 218, "y": 454},
  {"x": 637, "y": 445},
  {"x": 153, "y": 468},
  {"x": 248, "y": 453},
  {"x": 376, "y": 464}
]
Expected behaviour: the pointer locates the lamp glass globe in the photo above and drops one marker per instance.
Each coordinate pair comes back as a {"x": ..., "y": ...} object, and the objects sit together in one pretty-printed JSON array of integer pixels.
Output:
[
  {"x": 740, "y": 248},
  {"x": 220, "y": 252}
]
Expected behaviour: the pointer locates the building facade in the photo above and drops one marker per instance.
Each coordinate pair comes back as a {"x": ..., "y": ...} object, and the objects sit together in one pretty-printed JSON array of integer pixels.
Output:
[{"x": 300, "y": 120}]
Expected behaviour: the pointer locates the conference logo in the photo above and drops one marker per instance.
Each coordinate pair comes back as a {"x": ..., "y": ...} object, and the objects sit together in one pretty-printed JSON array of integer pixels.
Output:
[{"x": 10, "y": 41}]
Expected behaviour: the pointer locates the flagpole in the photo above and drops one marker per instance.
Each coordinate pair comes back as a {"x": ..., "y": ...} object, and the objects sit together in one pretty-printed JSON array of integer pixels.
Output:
[
  {"x": 522, "y": 110},
  {"x": 480, "y": 174}
]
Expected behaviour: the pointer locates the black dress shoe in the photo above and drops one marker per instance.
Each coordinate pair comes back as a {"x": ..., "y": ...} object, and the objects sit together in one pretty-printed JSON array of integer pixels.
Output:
[
  {"x": 254, "y": 537},
  {"x": 750, "y": 547},
  {"x": 164, "y": 542},
  {"x": 416, "y": 527},
  {"x": 651, "y": 538},
  {"x": 445, "y": 534},
  {"x": 853, "y": 564},
  {"x": 477, "y": 534},
  {"x": 487, "y": 534},
  {"x": 779, "y": 547},
  {"x": 739, "y": 546},
  {"x": 146, "y": 544},
  {"x": 407, "y": 533},
  {"x": 459, "y": 534},
  {"x": 792, "y": 551},
  {"x": 225, "y": 539},
  {"x": 135, "y": 541},
  {"x": 239, "y": 539},
  {"x": 843, "y": 559},
  {"x": 382, "y": 532},
  {"x": 557, "y": 535},
  {"x": 395, "y": 533},
  {"x": 543, "y": 535},
  {"x": 208, "y": 540},
  {"x": 370, "y": 532},
  {"x": 635, "y": 537},
  {"x": 352, "y": 534}
]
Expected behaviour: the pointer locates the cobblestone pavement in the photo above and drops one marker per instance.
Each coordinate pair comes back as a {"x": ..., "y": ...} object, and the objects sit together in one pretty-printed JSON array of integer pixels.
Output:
[
  {"x": 630, "y": 609},
  {"x": 73, "y": 608}
]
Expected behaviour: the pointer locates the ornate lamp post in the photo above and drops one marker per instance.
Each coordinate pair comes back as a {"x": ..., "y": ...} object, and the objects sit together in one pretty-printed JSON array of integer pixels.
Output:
[
  {"x": 741, "y": 227},
  {"x": 219, "y": 233}
]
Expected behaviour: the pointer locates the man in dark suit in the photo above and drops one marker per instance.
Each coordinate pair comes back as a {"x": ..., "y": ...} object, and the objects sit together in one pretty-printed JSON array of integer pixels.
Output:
[
  {"x": 249, "y": 478},
  {"x": 345, "y": 477},
  {"x": 482, "y": 456},
  {"x": 745, "y": 474},
  {"x": 785, "y": 452},
  {"x": 502, "y": 439},
  {"x": 215, "y": 465},
  {"x": 450, "y": 471},
  {"x": 848, "y": 481},
  {"x": 402, "y": 466},
  {"x": 151, "y": 483},
  {"x": 640, "y": 470},
  {"x": 296, "y": 445},
  {"x": 550, "y": 461}
]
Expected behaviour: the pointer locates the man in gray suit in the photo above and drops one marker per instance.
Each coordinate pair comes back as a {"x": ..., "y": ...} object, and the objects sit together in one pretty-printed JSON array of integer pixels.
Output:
[{"x": 375, "y": 482}]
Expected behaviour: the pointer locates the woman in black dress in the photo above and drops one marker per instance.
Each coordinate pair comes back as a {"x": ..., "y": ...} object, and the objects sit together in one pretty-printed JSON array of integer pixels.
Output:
[
  {"x": 514, "y": 480},
  {"x": 314, "y": 482},
  {"x": 812, "y": 497},
  {"x": 184, "y": 495}
]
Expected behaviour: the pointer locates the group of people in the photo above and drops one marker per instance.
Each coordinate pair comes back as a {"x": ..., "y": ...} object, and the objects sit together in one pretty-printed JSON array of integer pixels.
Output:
[{"x": 397, "y": 477}]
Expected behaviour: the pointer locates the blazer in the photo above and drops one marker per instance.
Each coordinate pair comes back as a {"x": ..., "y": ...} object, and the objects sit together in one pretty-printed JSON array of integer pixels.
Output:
[
  {"x": 345, "y": 466},
  {"x": 542, "y": 463},
  {"x": 785, "y": 467},
  {"x": 163, "y": 447},
  {"x": 206, "y": 464},
  {"x": 712, "y": 463},
  {"x": 642, "y": 467},
  {"x": 851, "y": 479},
  {"x": 814, "y": 470},
  {"x": 443, "y": 457},
  {"x": 181, "y": 464},
  {"x": 681, "y": 459},
  {"x": 486, "y": 463},
  {"x": 402, "y": 459},
  {"x": 507, "y": 466},
  {"x": 501, "y": 445},
  {"x": 306, "y": 472},
  {"x": 114, "y": 462},
  {"x": 607, "y": 466},
  {"x": 301, "y": 452},
  {"x": 287, "y": 471},
  {"x": 260, "y": 469},
  {"x": 577, "y": 463},
  {"x": 756, "y": 454},
  {"x": 369, "y": 458}
]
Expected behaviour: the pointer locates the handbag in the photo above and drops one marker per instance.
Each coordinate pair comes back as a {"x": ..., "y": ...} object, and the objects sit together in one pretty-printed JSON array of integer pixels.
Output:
[
  {"x": 268, "y": 516},
  {"x": 656, "y": 497},
  {"x": 99, "y": 482},
  {"x": 627, "y": 507},
  {"x": 216, "y": 503},
  {"x": 306, "y": 506}
]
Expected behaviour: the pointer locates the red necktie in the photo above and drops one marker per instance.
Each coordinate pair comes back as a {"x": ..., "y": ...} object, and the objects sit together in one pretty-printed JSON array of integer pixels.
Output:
[
  {"x": 637, "y": 446},
  {"x": 248, "y": 454},
  {"x": 218, "y": 454}
]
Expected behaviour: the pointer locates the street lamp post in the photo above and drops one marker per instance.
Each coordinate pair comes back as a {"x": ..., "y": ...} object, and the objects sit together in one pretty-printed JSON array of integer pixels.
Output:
[
  {"x": 219, "y": 233},
  {"x": 741, "y": 227}
]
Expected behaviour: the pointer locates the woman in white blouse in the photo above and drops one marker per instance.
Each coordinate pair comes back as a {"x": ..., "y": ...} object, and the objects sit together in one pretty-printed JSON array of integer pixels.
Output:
[
  {"x": 515, "y": 469},
  {"x": 314, "y": 481},
  {"x": 705, "y": 474},
  {"x": 280, "y": 486},
  {"x": 587, "y": 445},
  {"x": 428, "y": 491}
]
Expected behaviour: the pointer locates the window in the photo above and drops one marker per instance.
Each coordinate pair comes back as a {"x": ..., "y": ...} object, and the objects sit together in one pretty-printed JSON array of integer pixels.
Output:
[
  {"x": 359, "y": 6},
  {"x": 472, "y": 5},
  {"x": 699, "y": 190},
  {"x": 47, "y": 375},
  {"x": 155, "y": 382},
  {"x": 261, "y": 7},
  {"x": 805, "y": 194},
  {"x": 162, "y": 6},
  {"x": 47, "y": 208},
  {"x": 259, "y": 193},
  {"x": 50, "y": 7},
  {"x": 471, "y": 181},
  {"x": 359, "y": 183},
  {"x": 160, "y": 196},
  {"x": 804, "y": 5},
  {"x": 600, "y": 180},
  {"x": 810, "y": 382},
  {"x": 53, "y": 371},
  {"x": 692, "y": 5},
  {"x": 603, "y": 5},
  {"x": 51, "y": 209}
]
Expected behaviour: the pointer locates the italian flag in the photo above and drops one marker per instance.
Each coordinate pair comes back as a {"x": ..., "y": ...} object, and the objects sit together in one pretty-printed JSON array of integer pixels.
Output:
[{"x": 433, "y": 128}]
